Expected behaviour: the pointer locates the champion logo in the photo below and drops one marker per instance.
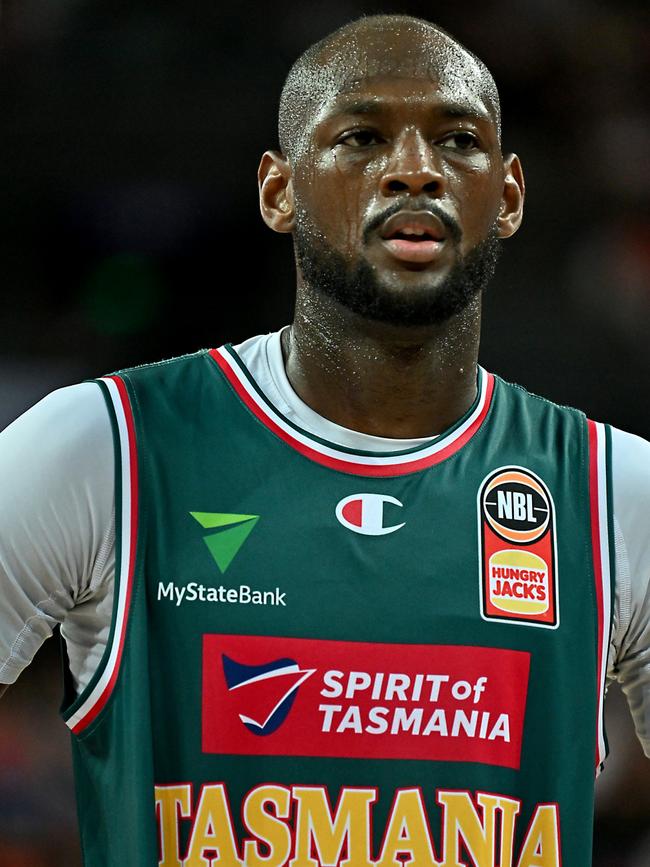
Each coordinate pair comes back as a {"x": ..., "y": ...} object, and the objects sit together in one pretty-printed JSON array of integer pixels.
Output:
[
  {"x": 364, "y": 513},
  {"x": 266, "y": 692}
]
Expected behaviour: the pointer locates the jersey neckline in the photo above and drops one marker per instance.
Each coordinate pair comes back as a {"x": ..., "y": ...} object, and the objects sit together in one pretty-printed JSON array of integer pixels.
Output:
[
  {"x": 342, "y": 458},
  {"x": 272, "y": 379}
]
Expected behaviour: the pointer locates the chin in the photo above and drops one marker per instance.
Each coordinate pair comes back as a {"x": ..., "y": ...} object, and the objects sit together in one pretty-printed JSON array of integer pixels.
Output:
[
  {"x": 411, "y": 295},
  {"x": 410, "y": 307},
  {"x": 412, "y": 281}
]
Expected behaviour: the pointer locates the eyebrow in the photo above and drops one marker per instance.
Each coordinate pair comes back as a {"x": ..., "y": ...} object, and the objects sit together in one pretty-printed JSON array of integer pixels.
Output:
[{"x": 374, "y": 107}]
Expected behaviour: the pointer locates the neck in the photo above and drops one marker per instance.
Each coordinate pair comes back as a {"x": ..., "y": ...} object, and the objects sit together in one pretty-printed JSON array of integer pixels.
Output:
[{"x": 380, "y": 379}]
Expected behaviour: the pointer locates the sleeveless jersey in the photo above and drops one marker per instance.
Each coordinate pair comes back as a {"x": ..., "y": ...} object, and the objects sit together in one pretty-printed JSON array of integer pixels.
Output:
[{"x": 327, "y": 657}]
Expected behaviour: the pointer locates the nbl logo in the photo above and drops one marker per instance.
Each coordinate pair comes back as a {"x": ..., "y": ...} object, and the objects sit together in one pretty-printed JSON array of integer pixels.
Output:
[
  {"x": 518, "y": 578},
  {"x": 266, "y": 692},
  {"x": 516, "y": 506}
]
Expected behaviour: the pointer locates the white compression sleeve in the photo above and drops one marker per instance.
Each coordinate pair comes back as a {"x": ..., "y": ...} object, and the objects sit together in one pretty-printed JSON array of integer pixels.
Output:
[
  {"x": 56, "y": 538},
  {"x": 631, "y": 634}
]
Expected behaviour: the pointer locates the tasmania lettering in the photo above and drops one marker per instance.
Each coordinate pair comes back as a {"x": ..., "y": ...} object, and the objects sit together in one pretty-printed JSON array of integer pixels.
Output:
[
  {"x": 287, "y": 696},
  {"x": 296, "y": 826}
]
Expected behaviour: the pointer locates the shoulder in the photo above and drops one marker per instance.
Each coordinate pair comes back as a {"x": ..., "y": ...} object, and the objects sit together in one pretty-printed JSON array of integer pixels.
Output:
[
  {"x": 630, "y": 482},
  {"x": 165, "y": 370},
  {"x": 630, "y": 472},
  {"x": 61, "y": 422},
  {"x": 523, "y": 396},
  {"x": 56, "y": 502},
  {"x": 531, "y": 418},
  {"x": 58, "y": 458}
]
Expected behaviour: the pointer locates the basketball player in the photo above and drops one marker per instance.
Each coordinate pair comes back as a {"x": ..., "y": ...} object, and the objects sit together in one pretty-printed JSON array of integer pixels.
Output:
[{"x": 338, "y": 595}]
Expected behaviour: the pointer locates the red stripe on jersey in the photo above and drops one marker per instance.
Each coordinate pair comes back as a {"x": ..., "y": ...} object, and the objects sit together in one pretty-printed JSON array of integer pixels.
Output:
[
  {"x": 133, "y": 473},
  {"x": 348, "y": 465},
  {"x": 598, "y": 566}
]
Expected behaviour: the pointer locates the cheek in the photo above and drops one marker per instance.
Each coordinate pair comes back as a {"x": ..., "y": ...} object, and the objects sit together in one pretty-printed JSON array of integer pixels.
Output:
[
  {"x": 478, "y": 200},
  {"x": 337, "y": 200},
  {"x": 353, "y": 205}
]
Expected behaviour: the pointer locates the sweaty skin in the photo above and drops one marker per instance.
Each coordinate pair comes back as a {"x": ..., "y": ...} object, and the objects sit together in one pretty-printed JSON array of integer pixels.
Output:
[{"x": 401, "y": 118}]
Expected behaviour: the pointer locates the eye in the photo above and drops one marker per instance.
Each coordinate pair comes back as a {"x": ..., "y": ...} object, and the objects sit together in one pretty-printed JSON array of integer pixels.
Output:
[
  {"x": 461, "y": 141},
  {"x": 359, "y": 138}
]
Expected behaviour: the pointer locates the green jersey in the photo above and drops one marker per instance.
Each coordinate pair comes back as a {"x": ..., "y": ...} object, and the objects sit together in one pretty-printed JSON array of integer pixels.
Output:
[{"x": 327, "y": 657}]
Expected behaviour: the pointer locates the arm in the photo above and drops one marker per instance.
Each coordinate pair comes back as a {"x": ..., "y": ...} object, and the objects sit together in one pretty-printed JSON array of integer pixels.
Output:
[
  {"x": 631, "y": 636},
  {"x": 51, "y": 525}
]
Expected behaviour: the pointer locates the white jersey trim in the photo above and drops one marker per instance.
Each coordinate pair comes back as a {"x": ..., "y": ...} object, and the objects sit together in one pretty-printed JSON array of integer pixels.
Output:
[
  {"x": 338, "y": 457},
  {"x": 602, "y": 570},
  {"x": 92, "y": 703}
]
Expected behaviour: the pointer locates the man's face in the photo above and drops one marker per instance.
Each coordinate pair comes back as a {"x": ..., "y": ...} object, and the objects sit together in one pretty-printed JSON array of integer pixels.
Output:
[{"x": 397, "y": 193}]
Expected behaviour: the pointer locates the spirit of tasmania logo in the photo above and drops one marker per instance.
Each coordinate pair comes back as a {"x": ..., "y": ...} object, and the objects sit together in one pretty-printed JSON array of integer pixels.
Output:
[
  {"x": 265, "y": 695},
  {"x": 518, "y": 560},
  {"x": 269, "y": 691}
]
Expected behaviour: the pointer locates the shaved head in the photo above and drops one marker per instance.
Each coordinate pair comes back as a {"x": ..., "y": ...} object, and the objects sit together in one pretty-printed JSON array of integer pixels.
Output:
[{"x": 371, "y": 46}]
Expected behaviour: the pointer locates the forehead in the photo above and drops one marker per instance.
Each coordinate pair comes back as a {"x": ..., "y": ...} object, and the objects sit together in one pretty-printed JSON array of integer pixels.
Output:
[
  {"x": 374, "y": 95},
  {"x": 430, "y": 61}
]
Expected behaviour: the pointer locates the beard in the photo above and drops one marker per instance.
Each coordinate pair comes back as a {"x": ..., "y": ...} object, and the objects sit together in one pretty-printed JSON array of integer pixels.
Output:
[{"x": 357, "y": 287}]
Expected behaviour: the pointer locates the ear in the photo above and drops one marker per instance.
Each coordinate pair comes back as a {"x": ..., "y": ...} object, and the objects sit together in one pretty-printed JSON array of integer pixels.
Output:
[
  {"x": 276, "y": 191},
  {"x": 512, "y": 202}
]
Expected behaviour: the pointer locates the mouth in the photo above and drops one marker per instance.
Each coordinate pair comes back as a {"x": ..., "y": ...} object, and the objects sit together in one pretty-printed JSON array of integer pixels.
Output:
[
  {"x": 411, "y": 250},
  {"x": 414, "y": 236}
]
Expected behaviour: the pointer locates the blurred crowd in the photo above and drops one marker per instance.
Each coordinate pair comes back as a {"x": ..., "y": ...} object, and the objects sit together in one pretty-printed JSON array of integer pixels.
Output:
[{"x": 131, "y": 137}]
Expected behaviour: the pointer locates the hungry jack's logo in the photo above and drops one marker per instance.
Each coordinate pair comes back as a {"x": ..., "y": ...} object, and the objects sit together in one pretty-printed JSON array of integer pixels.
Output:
[
  {"x": 518, "y": 561},
  {"x": 267, "y": 691}
]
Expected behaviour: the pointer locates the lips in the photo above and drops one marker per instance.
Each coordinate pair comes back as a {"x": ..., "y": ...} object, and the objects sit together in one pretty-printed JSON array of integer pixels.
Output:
[
  {"x": 414, "y": 223},
  {"x": 413, "y": 236}
]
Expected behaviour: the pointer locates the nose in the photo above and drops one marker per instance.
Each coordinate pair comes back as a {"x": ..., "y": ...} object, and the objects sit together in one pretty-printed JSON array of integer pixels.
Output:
[{"x": 412, "y": 168}]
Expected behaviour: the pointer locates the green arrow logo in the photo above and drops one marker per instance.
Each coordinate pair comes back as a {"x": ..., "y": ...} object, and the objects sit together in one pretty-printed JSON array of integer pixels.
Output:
[{"x": 231, "y": 533}]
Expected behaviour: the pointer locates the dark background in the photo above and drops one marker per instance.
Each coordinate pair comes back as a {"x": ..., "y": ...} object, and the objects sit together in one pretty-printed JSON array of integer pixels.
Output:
[{"x": 131, "y": 135}]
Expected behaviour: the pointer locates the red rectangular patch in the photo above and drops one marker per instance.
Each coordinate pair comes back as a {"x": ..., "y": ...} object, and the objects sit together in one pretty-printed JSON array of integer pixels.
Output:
[
  {"x": 518, "y": 578},
  {"x": 301, "y": 697}
]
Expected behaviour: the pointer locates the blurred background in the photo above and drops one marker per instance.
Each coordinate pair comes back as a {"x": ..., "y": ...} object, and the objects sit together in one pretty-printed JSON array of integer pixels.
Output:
[{"x": 131, "y": 135}]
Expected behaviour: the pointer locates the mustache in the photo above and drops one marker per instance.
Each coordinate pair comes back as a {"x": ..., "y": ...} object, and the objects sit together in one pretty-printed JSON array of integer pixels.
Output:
[{"x": 433, "y": 208}]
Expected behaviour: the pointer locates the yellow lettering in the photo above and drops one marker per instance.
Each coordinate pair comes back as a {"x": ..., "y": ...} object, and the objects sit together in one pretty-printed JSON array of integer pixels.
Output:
[
  {"x": 212, "y": 831},
  {"x": 407, "y": 831},
  {"x": 461, "y": 819},
  {"x": 314, "y": 822},
  {"x": 542, "y": 844},
  {"x": 169, "y": 800},
  {"x": 322, "y": 837},
  {"x": 509, "y": 810},
  {"x": 266, "y": 827}
]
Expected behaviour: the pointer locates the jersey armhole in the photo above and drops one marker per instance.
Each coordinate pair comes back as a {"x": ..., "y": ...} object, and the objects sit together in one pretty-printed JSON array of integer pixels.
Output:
[
  {"x": 94, "y": 697},
  {"x": 602, "y": 545}
]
